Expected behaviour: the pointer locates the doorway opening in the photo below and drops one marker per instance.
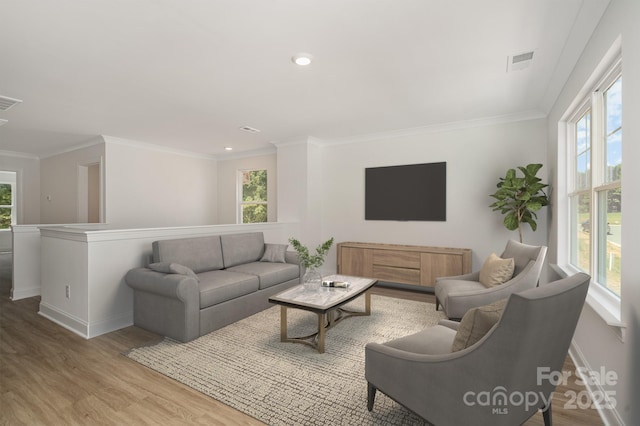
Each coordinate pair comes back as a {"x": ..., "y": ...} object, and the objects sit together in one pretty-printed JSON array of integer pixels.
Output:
[{"x": 90, "y": 195}]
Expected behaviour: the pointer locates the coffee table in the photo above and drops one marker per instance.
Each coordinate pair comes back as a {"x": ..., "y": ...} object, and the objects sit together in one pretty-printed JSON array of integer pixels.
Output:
[{"x": 326, "y": 302}]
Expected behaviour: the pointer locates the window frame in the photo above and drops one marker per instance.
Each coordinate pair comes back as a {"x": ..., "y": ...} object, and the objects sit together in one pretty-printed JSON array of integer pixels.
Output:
[
  {"x": 604, "y": 301},
  {"x": 12, "y": 206},
  {"x": 240, "y": 203}
]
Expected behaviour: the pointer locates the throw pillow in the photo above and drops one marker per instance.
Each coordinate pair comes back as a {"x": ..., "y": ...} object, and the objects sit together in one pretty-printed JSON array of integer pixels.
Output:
[
  {"x": 173, "y": 268},
  {"x": 274, "y": 253},
  {"x": 476, "y": 323},
  {"x": 496, "y": 271}
]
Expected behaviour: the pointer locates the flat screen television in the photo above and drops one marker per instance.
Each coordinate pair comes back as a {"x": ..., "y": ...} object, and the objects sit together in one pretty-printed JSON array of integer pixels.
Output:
[{"x": 412, "y": 192}]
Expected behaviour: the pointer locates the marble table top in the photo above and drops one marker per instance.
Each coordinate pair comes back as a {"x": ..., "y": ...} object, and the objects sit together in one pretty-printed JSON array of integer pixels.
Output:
[{"x": 324, "y": 298}]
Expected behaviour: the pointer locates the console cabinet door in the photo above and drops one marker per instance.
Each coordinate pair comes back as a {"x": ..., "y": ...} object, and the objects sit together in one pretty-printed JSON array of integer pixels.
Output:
[
  {"x": 356, "y": 261},
  {"x": 434, "y": 265}
]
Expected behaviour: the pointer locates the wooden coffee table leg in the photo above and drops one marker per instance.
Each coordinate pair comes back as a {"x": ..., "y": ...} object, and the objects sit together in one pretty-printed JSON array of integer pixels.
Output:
[
  {"x": 367, "y": 303},
  {"x": 283, "y": 323},
  {"x": 322, "y": 327}
]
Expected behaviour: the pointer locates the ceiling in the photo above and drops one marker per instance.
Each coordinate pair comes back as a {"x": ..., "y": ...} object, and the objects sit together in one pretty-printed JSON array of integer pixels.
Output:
[{"x": 188, "y": 74}]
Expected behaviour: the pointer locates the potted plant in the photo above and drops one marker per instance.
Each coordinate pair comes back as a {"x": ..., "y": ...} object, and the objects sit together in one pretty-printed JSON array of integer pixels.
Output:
[
  {"x": 519, "y": 198},
  {"x": 311, "y": 262}
]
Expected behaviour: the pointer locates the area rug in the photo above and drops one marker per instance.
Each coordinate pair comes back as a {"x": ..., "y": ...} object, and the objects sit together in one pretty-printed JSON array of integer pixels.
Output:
[{"x": 245, "y": 366}]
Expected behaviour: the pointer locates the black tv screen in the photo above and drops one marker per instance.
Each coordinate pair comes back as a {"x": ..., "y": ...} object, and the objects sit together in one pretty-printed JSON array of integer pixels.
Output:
[{"x": 413, "y": 192}]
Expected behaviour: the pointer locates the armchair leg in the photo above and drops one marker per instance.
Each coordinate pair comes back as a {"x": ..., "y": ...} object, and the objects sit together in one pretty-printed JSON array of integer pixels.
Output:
[
  {"x": 437, "y": 303},
  {"x": 371, "y": 395},
  {"x": 546, "y": 415}
]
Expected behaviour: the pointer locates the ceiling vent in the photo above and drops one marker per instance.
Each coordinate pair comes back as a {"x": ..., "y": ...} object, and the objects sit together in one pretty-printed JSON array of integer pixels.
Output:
[
  {"x": 249, "y": 129},
  {"x": 519, "y": 62},
  {"x": 6, "y": 102}
]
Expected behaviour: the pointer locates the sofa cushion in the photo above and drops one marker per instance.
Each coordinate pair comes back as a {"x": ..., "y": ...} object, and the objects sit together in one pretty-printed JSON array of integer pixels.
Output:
[
  {"x": 496, "y": 271},
  {"x": 446, "y": 288},
  {"x": 274, "y": 253},
  {"x": 200, "y": 254},
  {"x": 476, "y": 323},
  {"x": 222, "y": 285},
  {"x": 173, "y": 268},
  {"x": 269, "y": 273},
  {"x": 434, "y": 340},
  {"x": 242, "y": 248}
]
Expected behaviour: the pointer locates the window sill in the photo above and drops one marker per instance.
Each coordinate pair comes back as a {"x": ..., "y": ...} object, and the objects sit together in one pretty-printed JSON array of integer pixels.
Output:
[{"x": 606, "y": 305}]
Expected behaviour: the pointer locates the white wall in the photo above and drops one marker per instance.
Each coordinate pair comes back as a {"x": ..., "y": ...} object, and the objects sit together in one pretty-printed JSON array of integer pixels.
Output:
[
  {"x": 597, "y": 342},
  {"x": 292, "y": 181},
  {"x": 476, "y": 158},
  {"x": 150, "y": 187},
  {"x": 94, "y": 262},
  {"x": 59, "y": 182},
  {"x": 227, "y": 185}
]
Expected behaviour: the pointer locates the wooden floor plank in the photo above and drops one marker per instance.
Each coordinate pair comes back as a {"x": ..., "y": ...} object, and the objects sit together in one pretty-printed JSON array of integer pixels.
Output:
[{"x": 49, "y": 375}]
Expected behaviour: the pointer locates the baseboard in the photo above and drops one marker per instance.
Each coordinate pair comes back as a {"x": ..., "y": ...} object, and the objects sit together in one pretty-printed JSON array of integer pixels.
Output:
[
  {"x": 111, "y": 324},
  {"x": 609, "y": 416},
  {"x": 65, "y": 320},
  {"x": 82, "y": 328},
  {"x": 25, "y": 293}
]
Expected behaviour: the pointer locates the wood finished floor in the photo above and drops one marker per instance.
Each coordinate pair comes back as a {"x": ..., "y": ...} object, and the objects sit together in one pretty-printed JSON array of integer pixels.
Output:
[{"x": 50, "y": 376}]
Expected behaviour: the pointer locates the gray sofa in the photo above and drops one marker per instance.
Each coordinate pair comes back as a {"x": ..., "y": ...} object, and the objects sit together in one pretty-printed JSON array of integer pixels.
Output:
[{"x": 196, "y": 285}]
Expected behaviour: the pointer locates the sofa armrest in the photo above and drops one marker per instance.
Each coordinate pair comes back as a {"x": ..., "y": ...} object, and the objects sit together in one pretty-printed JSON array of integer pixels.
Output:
[
  {"x": 453, "y": 325},
  {"x": 167, "y": 304},
  {"x": 472, "y": 276},
  {"x": 174, "y": 286},
  {"x": 292, "y": 257}
]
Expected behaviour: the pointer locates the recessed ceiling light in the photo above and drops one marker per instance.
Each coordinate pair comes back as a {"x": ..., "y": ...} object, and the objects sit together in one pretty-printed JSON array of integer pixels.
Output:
[
  {"x": 302, "y": 59},
  {"x": 228, "y": 148}
]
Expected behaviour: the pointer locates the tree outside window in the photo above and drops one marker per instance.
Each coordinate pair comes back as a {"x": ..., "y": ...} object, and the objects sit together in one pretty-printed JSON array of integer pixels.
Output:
[
  {"x": 253, "y": 190},
  {"x": 6, "y": 205}
]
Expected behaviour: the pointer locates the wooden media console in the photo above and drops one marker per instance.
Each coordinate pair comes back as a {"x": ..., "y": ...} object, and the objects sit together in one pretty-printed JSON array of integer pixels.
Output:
[{"x": 404, "y": 264}]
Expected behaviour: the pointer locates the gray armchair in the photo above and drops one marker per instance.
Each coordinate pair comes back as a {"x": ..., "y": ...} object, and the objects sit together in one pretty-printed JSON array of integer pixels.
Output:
[
  {"x": 483, "y": 383},
  {"x": 460, "y": 293}
]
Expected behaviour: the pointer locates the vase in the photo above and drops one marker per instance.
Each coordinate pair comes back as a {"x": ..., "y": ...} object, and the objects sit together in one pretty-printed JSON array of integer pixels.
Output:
[{"x": 312, "y": 279}]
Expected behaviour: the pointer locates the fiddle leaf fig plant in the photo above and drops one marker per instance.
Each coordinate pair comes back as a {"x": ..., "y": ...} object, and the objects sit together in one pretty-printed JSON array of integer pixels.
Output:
[
  {"x": 520, "y": 197},
  {"x": 307, "y": 259}
]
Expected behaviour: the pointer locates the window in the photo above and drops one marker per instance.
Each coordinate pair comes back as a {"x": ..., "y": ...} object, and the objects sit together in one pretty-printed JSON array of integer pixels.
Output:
[
  {"x": 7, "y": 205},
  {"x": 252, "y": 189},
  {"x": 595, "y": 183}
]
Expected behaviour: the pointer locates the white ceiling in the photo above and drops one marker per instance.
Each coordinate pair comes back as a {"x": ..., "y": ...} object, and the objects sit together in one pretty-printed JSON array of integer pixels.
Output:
[{"x": 188, "y": 74}]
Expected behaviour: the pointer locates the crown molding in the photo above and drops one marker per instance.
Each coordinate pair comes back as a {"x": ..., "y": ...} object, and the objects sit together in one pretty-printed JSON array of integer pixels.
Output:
[
  {"x": 97, "y": 140},
  {"x": 19, "y": 155},
  {"x": 439, "y": 128},
  {"x": 145, "y": 145},
  {"x": 309, "y": 140},
  {"x": 246, "y": 154}
]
